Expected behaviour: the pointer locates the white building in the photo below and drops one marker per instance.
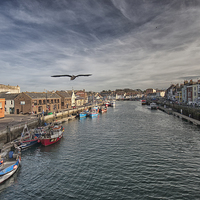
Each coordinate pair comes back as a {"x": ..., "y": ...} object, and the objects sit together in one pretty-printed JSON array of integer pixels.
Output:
[
  {"x": 9, "y": 88},
  {"x": 9, "y": 102}
]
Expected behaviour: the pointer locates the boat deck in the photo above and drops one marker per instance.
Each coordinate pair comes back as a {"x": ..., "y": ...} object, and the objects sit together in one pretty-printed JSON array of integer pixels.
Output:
[{"x": 7, "y": 164}]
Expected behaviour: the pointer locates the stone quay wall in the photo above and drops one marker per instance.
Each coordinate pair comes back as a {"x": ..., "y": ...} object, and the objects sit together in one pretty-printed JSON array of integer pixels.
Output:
[{"x": 10, "y": 133}]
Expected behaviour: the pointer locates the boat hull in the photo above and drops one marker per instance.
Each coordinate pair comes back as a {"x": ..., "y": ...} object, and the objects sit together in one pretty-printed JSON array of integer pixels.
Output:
[
  {"x": 143, "y": 102},
  {"x": 29, "y": 143},
  {"x": 6, "y": 173},
  {"x": 50, "y": 141},
  {"x": 82, "y": 115},
  {"x": 93, "y": 114}
]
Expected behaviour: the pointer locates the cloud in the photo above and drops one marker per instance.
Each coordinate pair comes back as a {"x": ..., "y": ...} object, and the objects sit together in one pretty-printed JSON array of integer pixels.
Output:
[{"x": 135, "y": 44}]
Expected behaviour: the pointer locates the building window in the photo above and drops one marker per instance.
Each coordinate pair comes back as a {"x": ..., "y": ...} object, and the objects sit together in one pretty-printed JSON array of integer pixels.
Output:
[
  {"x": 48, "y": 101},
  {"x": 54, "y": 100},
  {"x": 40, "y": 102},
  {"x": 11, "y": 102},
  {"x": 51, "y": 100},
  {"x": 5, "y": 102},
  {"x": 35, "y": 102},
  {"x": 40, "y": 109},
  {"x": 58, "y": 100},
  {"x": 43, "y": 101}
]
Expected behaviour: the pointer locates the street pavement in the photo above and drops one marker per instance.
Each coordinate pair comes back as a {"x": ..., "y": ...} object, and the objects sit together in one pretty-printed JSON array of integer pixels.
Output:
[{"x": 12, "y": 119}]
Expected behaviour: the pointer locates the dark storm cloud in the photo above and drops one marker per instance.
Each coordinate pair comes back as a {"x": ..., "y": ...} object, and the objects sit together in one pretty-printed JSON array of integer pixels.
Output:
[{"x": 123, "y": 43}]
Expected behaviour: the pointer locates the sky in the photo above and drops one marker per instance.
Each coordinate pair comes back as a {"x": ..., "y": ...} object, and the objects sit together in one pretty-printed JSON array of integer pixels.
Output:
[{"x": 136, "y": 44}]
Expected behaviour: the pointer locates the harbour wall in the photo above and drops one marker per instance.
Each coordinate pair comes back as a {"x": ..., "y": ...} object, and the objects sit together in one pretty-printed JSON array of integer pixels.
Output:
[{"x": 192, "y": 112}]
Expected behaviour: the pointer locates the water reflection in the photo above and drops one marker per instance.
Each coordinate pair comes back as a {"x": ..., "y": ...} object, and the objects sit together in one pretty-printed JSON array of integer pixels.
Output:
[{"x": 11, "y": 181}]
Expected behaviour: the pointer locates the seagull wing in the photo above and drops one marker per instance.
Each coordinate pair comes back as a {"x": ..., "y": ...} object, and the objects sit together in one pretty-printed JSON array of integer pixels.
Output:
[
  {"x": 61, "y": 75},
  {"x": 84, "y": 75}
]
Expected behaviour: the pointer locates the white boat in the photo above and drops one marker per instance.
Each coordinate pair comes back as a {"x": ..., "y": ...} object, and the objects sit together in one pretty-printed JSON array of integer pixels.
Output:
[
  {"x": 113, "y": 103},
  {"x": 153, "y": 106}
]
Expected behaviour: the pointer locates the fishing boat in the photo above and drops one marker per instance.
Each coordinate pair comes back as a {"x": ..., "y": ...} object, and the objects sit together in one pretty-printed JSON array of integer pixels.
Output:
[
  {"x": 10, "y": 159},
  {"x": 52, "y": 136},
  {"x": 152, "y": 106},
  {"x": 107, "y": 104},
  {"x": 103, "y": 109},
  {"x": 112, "y": 103},
  {"x": 28, "y": 138},
  {"x": 83, "y": 114},
  {"x": 94, "y": 112},
  {"x": 143, "y": 102}
]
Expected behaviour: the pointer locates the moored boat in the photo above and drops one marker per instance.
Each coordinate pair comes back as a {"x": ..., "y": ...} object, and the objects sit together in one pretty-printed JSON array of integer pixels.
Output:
[
  {"x": 112, "y": 103},
  {"x": 94, "y": 112},
  {"x": 10, "y": 159},
  {"x": 28, "y": 138},
  {"x": 82, "y": 114},
  {"x": 103, "y": 109},
  {"x": 153, "y": 106},
  {"x": 107, "y": 104},
  {"x": 52, "y": 136},
  {"x": 143, "y": 102}
]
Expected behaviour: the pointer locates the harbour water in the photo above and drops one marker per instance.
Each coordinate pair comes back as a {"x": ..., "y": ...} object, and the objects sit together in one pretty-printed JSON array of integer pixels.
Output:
[{"x": 130, "y": 152}]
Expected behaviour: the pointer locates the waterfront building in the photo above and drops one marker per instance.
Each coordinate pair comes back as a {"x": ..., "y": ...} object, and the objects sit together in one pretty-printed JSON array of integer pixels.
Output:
[
  {"x": 195, "y": 93},
  {"x": 198, "y": 90},
  {"x": 66, "y": 99},
  {"x": 150, "y": 91},
  {"x": 120, "y": 95},
  {"x": 184, "y": 92},
  {"x": 83, "y": 94},
  {"x": 73, "y": 100},
  {"x": 2, "y": 105},
  {"x": 9, "y": 101},
  {"x": 151, "y": 96},
  {"x": 9, "y": 88},
  {"x": 179, "y": 95},
  {"x": 37, "y": 102},
  {"x": 98, "y": 97},
  {"x": 79, "y": 101},
  {"x": 189, "y": 93},
  {"x": 160, "y": 93},
  {"x": 170, "y": 92}
]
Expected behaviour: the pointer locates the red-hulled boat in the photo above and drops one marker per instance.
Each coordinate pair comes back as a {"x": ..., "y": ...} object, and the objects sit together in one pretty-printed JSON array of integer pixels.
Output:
[
  {"x": 103, "y": 109},
  {"x": 52, "y": 136},
  {"x": 143, "y": 101}
]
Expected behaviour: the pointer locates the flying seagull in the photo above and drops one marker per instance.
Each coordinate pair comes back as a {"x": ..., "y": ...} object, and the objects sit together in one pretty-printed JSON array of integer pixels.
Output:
[{"x": 72, "y": 76}]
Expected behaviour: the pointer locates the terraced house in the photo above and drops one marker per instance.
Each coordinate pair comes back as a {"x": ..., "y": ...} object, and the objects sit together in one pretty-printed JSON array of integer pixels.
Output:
[
  {"x": 35, "y": 102},
  {"x": 66, "y": 99},
  {"x": 9, "y": 101}
]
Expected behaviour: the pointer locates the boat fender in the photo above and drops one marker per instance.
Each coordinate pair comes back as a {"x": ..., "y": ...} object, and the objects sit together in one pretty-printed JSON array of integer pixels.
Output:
[{"x": 15, "y": 167}]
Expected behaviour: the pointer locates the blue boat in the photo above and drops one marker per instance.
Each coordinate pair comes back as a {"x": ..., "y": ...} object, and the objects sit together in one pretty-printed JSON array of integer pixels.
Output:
[
  {"x": 94, "y": 112},
  {"x": 83, "y": 114},
  {"x": 10, "y": 159}
]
